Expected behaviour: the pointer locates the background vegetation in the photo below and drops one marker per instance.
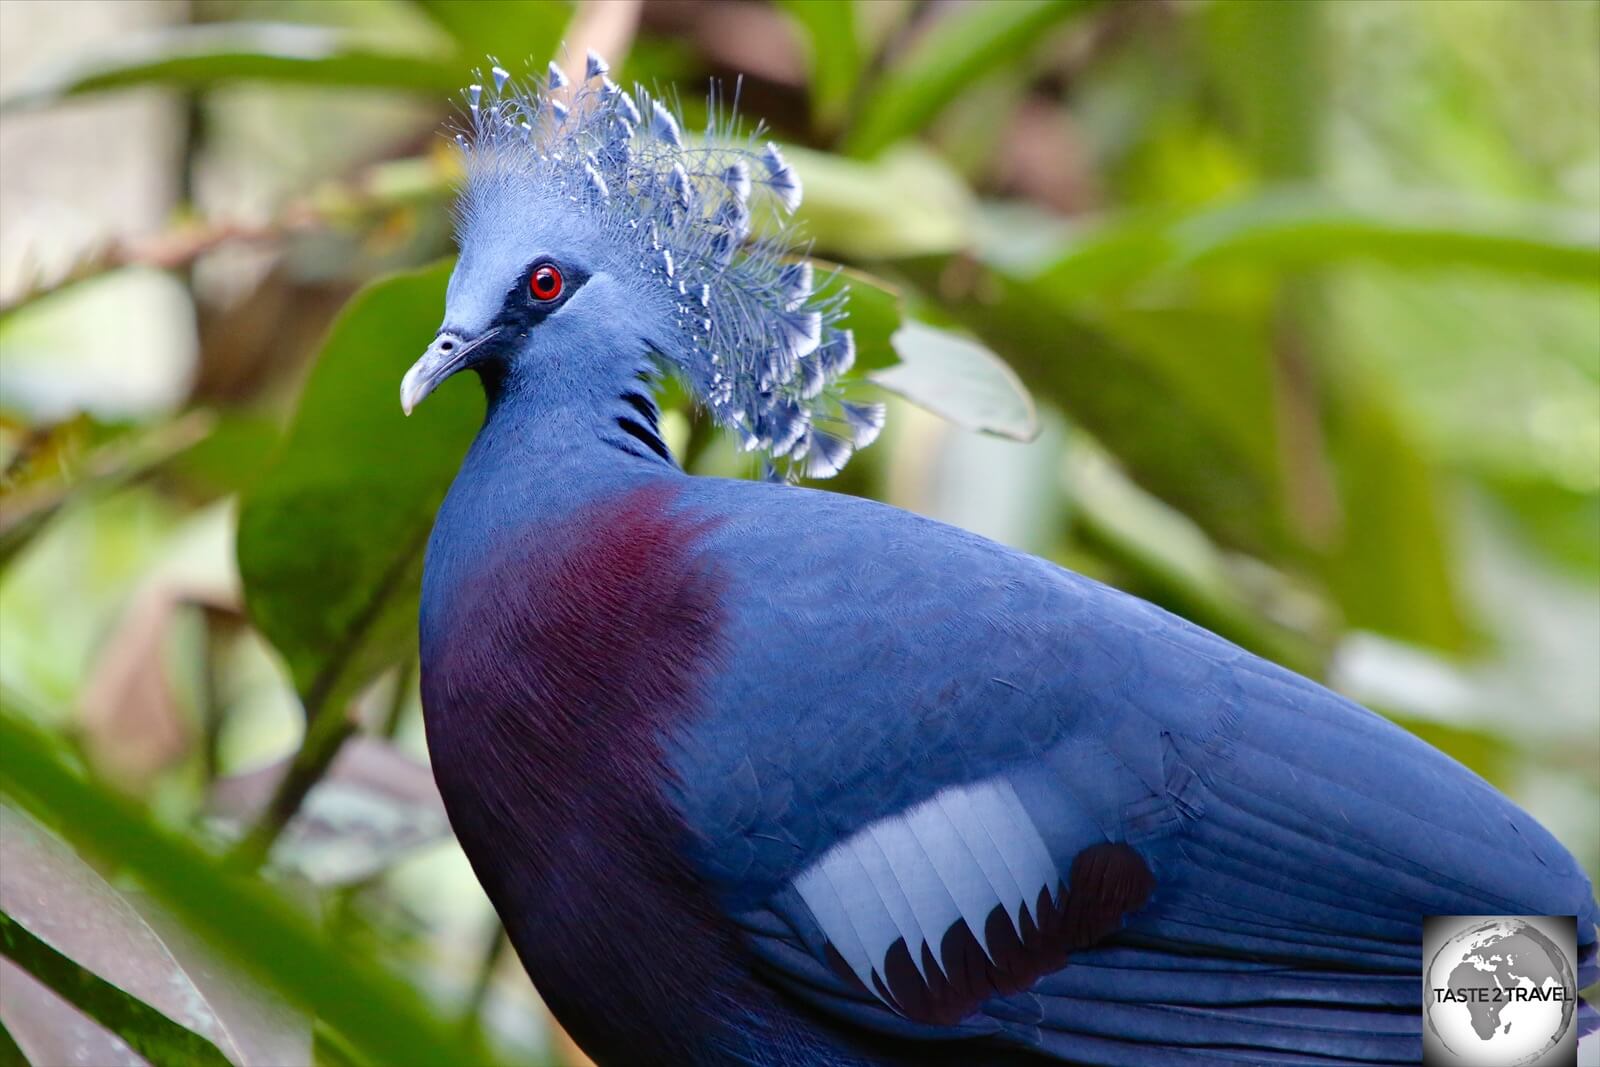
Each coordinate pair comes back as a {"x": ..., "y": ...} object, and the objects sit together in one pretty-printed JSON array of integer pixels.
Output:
[{"x": 1302, "y": 302}]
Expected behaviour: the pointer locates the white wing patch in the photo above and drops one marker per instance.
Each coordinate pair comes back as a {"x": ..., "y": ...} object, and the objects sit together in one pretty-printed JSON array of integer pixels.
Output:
[{"x": 957, "y": 855}]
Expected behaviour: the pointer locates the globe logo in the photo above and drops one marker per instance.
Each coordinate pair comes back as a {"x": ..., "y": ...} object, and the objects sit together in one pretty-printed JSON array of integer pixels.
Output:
[{"x": 1500, "y": 991}]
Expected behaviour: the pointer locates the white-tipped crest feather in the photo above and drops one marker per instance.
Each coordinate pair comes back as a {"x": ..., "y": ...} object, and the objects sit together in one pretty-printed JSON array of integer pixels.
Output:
[{"x": 758, "y": 345}]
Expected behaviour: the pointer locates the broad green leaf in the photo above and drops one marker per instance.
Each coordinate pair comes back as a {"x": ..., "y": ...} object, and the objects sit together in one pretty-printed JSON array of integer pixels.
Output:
[
  {"x": 1220, "y": 362},
  {"x": 1391, "y": 567},
  {"x": 227, "y": 459},
  {"x": 331, "y": 537},
  {"x": 10, "y": 1052},
  {"x": 515, "y": 30},
  {"x": 1268, "y": 60},
  {"x": 835, "y": 52},
  {"x": 1139, "y": 411},
  {"x": 959, "y": 379},
  {"x": 80, "y": 992},
  {"x": 1495, "y": 377},
  {"x": 1289, "y": 227},
  {"x": 958, "y": 49},
  {"x": 215, "y": 53},
  {"x": 85, "y": 941},
  {"x": 874, "y": 311},
  {"x": 952, "y": 376},
  {"x": 1169, "y": 560},
  {"x": 1295, "y": 227},
  {"x": 240, "y": 918},
  {"x": 262, "y": 1027},
  {"x": 1563, "y": 524},
  {"x": 1189, "y": 402}
]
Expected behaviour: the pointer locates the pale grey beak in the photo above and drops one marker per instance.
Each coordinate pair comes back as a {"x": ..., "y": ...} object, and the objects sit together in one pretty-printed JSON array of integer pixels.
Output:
[{"x": 444, "y": 357}]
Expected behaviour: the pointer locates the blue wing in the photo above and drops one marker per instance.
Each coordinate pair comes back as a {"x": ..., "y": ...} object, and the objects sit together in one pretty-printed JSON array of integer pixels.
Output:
[{"x": 950, "y": 790}]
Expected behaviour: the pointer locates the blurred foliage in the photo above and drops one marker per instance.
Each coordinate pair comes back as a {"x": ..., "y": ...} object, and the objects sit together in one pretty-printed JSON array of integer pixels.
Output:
[
  {"x": 1297, "y": 304},
  {"x": 331, "y": 534}
]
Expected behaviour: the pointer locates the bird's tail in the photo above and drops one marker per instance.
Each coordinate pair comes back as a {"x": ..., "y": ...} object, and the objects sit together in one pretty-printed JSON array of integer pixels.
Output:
[{"x": 1137, "y": 1006}]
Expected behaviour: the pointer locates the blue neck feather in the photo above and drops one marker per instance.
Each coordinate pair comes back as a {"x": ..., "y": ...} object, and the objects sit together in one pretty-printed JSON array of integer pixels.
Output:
[{"x": 550, "y": 443}]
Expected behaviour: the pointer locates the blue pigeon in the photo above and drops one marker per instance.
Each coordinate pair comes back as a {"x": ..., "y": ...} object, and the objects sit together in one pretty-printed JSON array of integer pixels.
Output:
[{"x": 758, "y": 774}]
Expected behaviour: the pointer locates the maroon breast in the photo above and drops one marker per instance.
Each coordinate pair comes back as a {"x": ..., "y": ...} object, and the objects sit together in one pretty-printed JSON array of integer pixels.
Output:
[
  {"x": 548, "y": 679},
  {"x": 581, "y": 637}
]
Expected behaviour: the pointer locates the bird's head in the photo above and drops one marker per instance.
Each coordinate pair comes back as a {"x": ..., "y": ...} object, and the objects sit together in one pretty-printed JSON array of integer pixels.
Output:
[{"x": 598, "y": 240}]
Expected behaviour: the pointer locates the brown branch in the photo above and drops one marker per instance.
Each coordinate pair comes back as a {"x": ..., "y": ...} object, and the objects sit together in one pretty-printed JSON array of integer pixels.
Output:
[
  {"x": 171, "y": 250},
  {"x": 377, "y": 188},
  {"x": 605, "y": 26}
]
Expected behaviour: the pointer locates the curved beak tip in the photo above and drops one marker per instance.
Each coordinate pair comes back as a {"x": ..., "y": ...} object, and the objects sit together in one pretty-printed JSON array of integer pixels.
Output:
[
  {"x": 408, "y": 392},
  {"x": 446, "y": 355},
  {"x": 412, "y": 389}
]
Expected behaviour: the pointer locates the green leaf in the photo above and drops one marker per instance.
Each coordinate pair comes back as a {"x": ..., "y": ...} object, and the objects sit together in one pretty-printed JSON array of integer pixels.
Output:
[
  {"x": 958, "y": 49},
  {"x": 1391, "y": 568},
  {"x": 1289, "y": 227},
  {"x": 1187, "y": 401},
  {"x": 835, "y": 52},
  {"x": 10, "y": 1054},
  {"x": 874, "y": 312},
  {"x": 952, "y": 376},
  {"x": 89, "y": 944},
  {"x": 1167, "y": 559},
  {"x": 144, "y": 1029},
  {"x": 516, "y": 30},
  {"x": 331, "y": 537},
  {"x": 229, "y": 458},
  {"x": 1305, "y": 227},
  {"x": 213, "y": 53},
  {"x": 241, "y": 918},
  {"x": 959, "y": 379},
  {"x": 1269, "y": 62},
  {"x": 1561, "y": 523},
  {"x": 1131, "y": 402}
]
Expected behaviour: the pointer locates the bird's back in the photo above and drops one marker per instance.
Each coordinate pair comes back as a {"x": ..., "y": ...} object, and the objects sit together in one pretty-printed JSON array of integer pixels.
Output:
[
  {"x": 671, "y": 717},
  {"x": 1290, "y": 838}
]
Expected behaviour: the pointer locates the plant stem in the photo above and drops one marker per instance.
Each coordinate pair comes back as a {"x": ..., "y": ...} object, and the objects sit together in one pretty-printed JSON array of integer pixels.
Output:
[
  {"x": 471, "y": 1015},
  {"x": 403, "y": 677},
  {"x": 324, "y": 735}
]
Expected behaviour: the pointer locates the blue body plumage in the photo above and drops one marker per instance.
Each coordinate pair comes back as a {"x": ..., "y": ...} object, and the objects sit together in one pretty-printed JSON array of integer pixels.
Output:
[{"x": 756, "y": 774}]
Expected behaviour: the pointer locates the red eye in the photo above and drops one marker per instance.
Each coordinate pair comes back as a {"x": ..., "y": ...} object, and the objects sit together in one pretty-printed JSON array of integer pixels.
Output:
[{"x": 545, "y": 283}]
